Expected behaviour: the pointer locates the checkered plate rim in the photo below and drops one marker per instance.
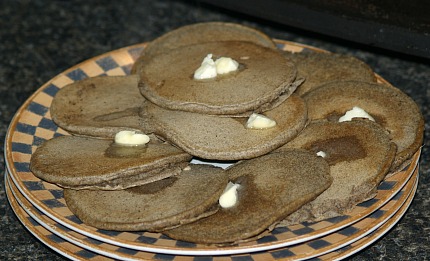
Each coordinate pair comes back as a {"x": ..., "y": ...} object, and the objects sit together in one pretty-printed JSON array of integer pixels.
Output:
[
  {"x": 23, "y": 137},
  {"x": 344, "y": 247}
]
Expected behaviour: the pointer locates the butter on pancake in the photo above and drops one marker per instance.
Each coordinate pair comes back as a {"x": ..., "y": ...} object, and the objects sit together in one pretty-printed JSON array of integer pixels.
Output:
[
  {"x": 166, "y": 203},
  {"x": 360, "y": 154},
  {"x": 225, "y": 138},
  {"x": 270, "y": 188},
  {"x": 390, "y": 107},
  {"x": 81, "y": 162},
  {"x": 263, "y": 75}
]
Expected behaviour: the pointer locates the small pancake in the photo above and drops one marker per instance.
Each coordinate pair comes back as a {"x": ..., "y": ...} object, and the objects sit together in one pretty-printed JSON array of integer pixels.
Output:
[
  {"x": 263, "y": 75},
  {"x": 202, "y": 33},
  {"x": 319, "y": 68},
  {"x": 271, "y": 187},
  {"x": 162, "y": 204},
  {"x": 72, "y": 161},
  {"x": 389, "y": 106},
  {"x": 359, "y": 153},
  {"x": 224, "y": 138},
  {"x": 99, "y": 106}
]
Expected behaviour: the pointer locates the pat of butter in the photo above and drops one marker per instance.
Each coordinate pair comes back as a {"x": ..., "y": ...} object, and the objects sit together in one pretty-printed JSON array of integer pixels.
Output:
[
  {"x": 258, "y": 121},
  {"x": 210, "y": 68},
  {"x": 131, "y": 138},
  {"x": 229, "y": 198},
  {"x": 226, "y": 65},
  {"x": 355, "y": 112},
  {"x": 321, "y": 154},
  {"x": 207, "y": 69}
]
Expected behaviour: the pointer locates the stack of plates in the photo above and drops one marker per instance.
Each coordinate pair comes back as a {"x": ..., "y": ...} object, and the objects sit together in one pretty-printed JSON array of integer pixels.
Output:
[{"x": 40, "y": 206}]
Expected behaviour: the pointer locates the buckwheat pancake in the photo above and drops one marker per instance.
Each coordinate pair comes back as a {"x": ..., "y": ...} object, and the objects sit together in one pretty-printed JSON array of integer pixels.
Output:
[
  {"x": 82, "y": 162},
  {"x": 263, "y": 75},
  {"x": 389, "y": 106},
  {"x": 271, "y": 187},
  {"x": 191, "y": 195},
  {"x": 99, "y": 106},
  {"x": 319, "y": 68},
  {"x": 225, "y": 138},
  {"x": 135, "y": 180},
  {"x": 359, "y": 153},
  {"x": 273, "y": 104},
  {"x": 202, "y": 33}
]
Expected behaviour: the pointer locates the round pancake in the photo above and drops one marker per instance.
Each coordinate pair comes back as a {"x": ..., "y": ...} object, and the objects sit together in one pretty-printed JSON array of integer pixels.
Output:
[
  {"x": 166, "y": 203},
  {"x": 273, "y": 104},
  {"x": 263, "y": 75},
  {"x": 389, "y": 106},
  {"x": 359, "y": 153},
  {"x": 224, "y": 138},
  {"x": 99, "y": 106},
  {"x": 271, "y": 187},
  {"x": 202, "y": 33},
  {"x": 135, "y": 180},
  {"x": 72, "y": 161},
  {"x": 319, "y": 68}
]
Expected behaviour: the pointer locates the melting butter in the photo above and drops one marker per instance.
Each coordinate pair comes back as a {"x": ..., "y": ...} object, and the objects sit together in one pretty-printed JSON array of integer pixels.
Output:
[
  {"x": 321, "y": 154},
  {"x": 259, "y": 121},
  {"x": 355, "y": 112},
  {"x": 131, "y": 138},
  {"x": 229, "y": 197},
  {"x": 210, "y": 68},
  {"x": 225, "y": 65},
  {"x": 207, "y": 69}
]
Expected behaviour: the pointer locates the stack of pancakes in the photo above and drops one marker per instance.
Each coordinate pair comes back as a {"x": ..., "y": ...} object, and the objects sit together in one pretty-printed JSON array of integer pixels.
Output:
[{"x": 282, "y": 177}]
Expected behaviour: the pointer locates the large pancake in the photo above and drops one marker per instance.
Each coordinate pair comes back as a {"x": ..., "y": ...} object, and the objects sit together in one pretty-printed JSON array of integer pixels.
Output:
[
  {"x": 166, "y": 203},
  {"x": 271, "y": 187},
  {"x": 99, "y": 106},
  {"x": 202, "y": 33},
  {"x": 72, "y": 161},
  {"x": 359, "y": 153},
  {"x": 264, "y": 74},
  {"x": 389, "y": 106},
  {"x": 320, "y": 68},
  {"x": 224, "y": 138}
]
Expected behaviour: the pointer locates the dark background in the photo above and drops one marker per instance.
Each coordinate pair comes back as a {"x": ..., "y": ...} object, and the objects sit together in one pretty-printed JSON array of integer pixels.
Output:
[
  {"x": 39, "y": 39},
  {"x": 400, "y": 25}
]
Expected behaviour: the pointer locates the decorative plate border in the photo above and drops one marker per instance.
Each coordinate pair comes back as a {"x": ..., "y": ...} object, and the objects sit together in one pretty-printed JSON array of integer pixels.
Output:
[
  {"x": 362, "y": 243},
  {"x": 87, "y": 248},
  {"x": 57, "y": 244},
  {"x": 32, "y": 125},
  {"x": 306, "y": 250}
]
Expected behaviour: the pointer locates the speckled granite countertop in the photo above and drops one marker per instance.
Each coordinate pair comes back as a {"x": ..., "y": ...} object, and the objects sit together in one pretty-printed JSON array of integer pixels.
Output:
[{"x": 40, "y": 39}]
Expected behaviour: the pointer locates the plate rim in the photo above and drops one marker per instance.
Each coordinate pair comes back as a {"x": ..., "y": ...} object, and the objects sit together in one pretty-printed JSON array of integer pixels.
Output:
[
  {"x": 342, "y": 243},
  {"x": 150, "y": 247}
]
